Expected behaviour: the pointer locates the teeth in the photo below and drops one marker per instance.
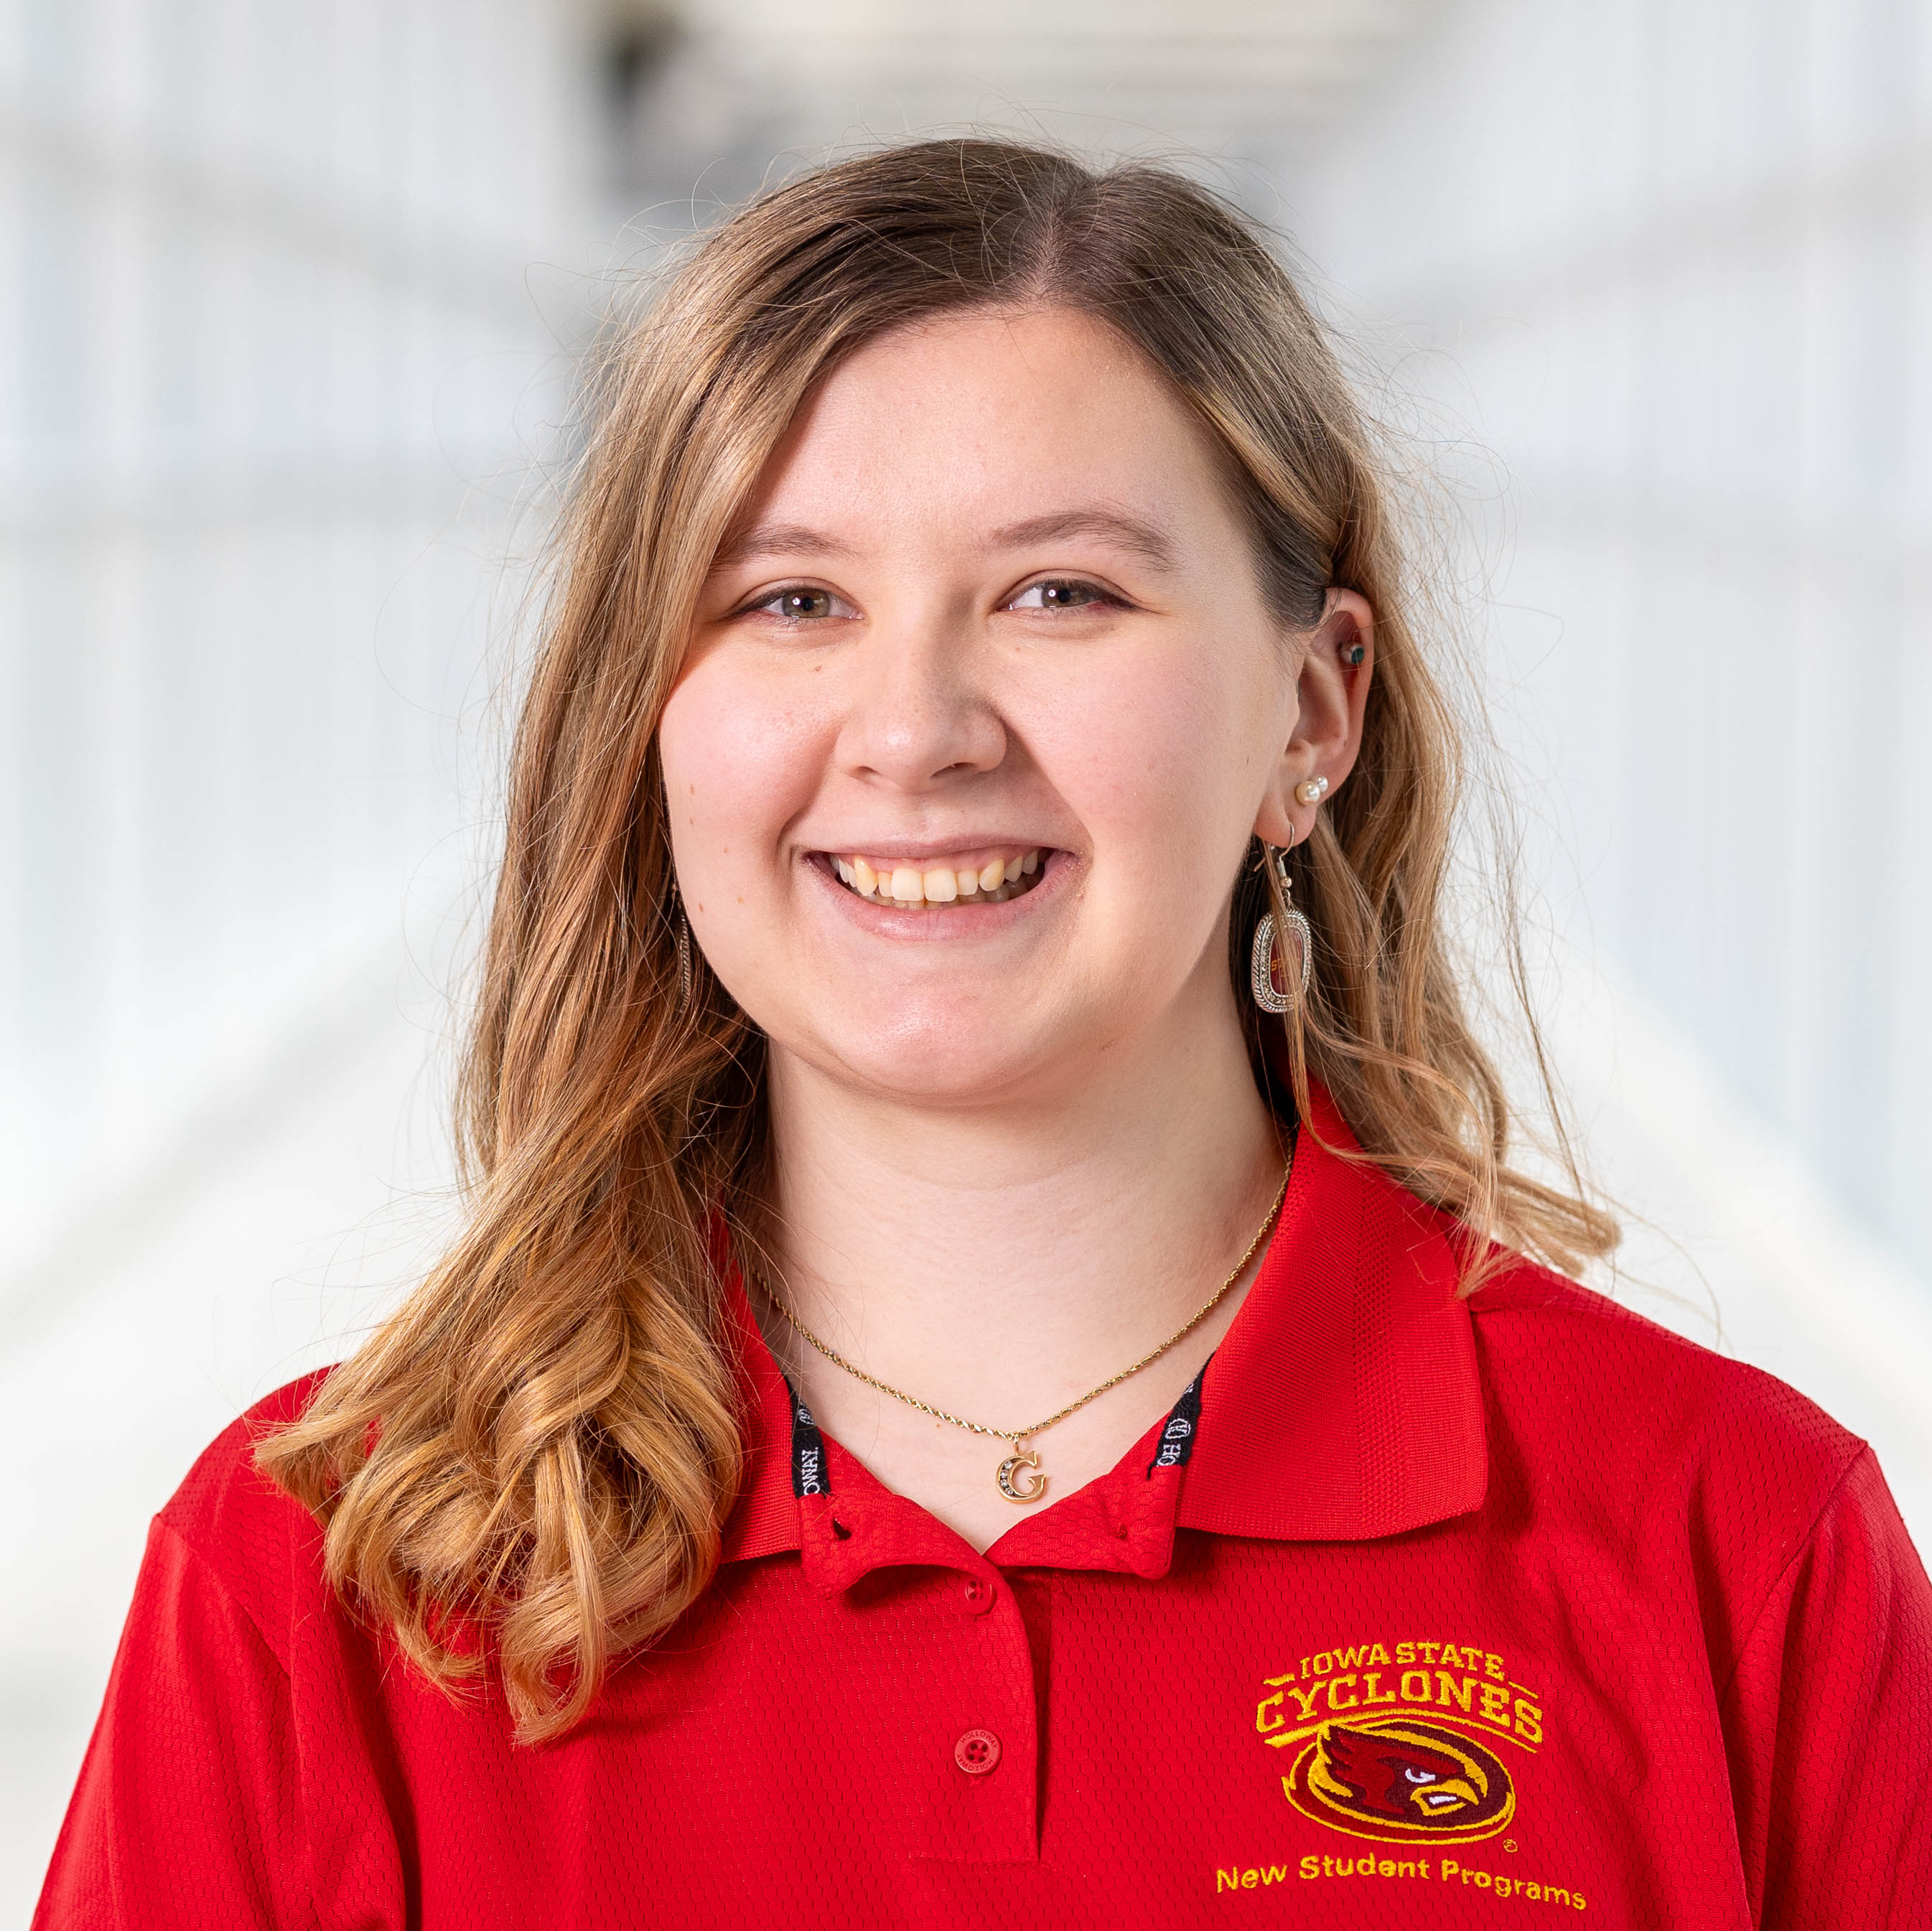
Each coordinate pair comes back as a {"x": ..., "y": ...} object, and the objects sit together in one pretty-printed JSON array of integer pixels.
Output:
[{"x": 903, "y": 885}]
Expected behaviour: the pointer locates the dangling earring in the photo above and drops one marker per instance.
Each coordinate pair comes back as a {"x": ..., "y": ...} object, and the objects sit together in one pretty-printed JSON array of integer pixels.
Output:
[
  {"x": 1261, "y": 958},
  {"x": 683, "y": 947}
]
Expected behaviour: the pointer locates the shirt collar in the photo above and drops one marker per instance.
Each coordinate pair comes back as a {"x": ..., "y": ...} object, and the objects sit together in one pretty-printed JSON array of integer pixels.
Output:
[{"x": 1344, "y": 1405}]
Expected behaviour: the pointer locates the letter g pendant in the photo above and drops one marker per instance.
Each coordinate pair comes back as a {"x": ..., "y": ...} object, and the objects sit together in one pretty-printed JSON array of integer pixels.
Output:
[{"x": 1010, "y": 1478}]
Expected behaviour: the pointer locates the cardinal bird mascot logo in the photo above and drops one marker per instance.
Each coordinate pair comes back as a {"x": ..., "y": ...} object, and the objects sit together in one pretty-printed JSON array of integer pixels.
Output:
[{"x": 1401, "y": 1779}]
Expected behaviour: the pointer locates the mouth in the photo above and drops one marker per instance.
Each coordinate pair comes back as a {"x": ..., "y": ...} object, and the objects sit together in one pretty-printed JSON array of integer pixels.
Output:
[{"x": 988, "y": 877}]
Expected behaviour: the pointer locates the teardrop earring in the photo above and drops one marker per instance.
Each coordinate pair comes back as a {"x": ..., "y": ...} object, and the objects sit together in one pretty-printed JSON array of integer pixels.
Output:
[{"x": 1261, "y": 958}]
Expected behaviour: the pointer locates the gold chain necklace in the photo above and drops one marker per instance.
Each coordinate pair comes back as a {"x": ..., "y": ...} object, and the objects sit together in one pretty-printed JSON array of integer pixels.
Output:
[{"x": 1009, "y": 1479}]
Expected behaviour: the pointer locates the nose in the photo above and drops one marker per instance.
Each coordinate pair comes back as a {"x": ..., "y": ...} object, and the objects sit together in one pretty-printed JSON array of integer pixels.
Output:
[{"x": 918, "y": 717}]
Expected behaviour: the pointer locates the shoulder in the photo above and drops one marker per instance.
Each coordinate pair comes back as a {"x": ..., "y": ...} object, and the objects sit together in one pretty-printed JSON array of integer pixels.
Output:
[
  {"x": 1594, "y": 1408},
  {"x": 255, "y": 1540},
  {"x": 1568, "y": 1348}
]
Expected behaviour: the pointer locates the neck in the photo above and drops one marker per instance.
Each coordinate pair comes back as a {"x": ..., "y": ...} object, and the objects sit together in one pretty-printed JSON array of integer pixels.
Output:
[{"x": 1000, "y": 1260}]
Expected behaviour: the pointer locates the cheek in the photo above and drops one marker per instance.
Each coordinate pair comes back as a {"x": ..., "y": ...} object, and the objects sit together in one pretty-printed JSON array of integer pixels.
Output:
[
  {"x": 1161, "y": 761},
  {"x": 740, "y": 761}
]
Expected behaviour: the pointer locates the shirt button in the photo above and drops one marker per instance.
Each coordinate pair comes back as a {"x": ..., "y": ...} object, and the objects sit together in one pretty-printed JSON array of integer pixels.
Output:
[
  {"x": 978, "y": 1592},
  {"x": 977, "y": 1752}
]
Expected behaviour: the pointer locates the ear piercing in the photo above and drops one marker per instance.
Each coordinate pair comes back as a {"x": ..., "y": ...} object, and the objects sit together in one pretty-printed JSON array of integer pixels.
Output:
[
  {"x": 1356, "y": 653},
  {"x": 1311, "y": 790}
]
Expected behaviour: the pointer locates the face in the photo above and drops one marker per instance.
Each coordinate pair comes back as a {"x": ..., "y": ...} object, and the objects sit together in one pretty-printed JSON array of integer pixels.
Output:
[{"x": 981, "y": 705}]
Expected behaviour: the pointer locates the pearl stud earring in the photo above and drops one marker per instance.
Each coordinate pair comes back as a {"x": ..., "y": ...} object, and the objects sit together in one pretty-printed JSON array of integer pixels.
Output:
[{"x": 1310, "y": 790}]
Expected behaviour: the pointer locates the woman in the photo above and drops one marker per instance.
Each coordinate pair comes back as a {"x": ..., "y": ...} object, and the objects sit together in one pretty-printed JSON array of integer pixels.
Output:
[{"x": 999, "y": 1371}]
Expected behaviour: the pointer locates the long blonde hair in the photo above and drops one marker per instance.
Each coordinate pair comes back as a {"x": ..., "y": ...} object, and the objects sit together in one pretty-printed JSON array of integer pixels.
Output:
[{"x": 533, "y": 1459}]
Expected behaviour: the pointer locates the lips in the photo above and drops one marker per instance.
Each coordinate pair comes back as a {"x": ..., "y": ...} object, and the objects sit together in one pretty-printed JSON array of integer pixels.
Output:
[{"x": 967, "y": 877}]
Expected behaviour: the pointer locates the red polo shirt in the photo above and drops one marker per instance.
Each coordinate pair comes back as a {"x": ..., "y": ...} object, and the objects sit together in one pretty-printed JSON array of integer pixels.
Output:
[{"x": 1415, "y": 1612}]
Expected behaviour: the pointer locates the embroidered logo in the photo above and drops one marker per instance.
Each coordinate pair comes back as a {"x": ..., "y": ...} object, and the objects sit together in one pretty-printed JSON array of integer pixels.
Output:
[
  {"x": 1389, "y": 1743},
  {"x": 1401, "y": 1780}
]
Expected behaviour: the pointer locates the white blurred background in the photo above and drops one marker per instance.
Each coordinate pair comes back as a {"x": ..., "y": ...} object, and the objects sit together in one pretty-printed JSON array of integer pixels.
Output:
[{"x": 289, "y": 297}]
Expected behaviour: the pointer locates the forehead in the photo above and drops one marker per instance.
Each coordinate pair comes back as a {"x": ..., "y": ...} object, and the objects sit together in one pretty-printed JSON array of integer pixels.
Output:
[{"x": 955, "y": 426}]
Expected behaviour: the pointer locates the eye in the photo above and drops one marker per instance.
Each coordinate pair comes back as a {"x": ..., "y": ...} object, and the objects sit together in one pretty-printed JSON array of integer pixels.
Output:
[
  {"x": 1062, "y": 593},
  {"x": 800, "y": 603},
  {"x": 1420, "y": 1776}
]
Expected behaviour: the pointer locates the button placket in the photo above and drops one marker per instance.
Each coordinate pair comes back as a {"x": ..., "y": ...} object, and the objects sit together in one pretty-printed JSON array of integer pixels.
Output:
[
  {"x": 986, "y": 1757},
  {"x": 968, "y": 1815}
]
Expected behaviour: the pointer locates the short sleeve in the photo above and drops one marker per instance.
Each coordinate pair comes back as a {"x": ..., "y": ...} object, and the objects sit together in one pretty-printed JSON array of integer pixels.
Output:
[
  {"x": 1827, "y": 1724},
  {"x": 188, "y": 1811}
]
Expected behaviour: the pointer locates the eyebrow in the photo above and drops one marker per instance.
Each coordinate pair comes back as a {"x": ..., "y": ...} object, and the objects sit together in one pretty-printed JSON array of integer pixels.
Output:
[
  {"x": 772, "y": 539},
  {"x": 1144, "y": 540}
]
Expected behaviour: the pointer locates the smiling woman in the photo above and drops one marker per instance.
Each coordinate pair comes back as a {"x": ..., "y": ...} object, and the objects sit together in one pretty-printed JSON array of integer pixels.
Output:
[{"x": 996, "y": 1278}]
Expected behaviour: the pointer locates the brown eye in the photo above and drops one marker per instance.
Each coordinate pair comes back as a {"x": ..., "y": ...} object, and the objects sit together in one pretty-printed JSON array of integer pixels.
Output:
[
  {"x": 1059, "y": 594},
  {"x": 801, "y": 603}
]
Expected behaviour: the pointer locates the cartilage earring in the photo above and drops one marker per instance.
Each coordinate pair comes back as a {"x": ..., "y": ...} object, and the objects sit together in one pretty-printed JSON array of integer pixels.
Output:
[
  {"x": 1261, "y": 958},
  {"x": 1312, "y": 791}
]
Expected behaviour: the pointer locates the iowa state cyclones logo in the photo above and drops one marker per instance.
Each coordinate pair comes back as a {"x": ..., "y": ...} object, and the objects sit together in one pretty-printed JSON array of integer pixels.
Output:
[
  {"x": 1396, "y": 1741},
  {"x": 1401, "y": 1780}
]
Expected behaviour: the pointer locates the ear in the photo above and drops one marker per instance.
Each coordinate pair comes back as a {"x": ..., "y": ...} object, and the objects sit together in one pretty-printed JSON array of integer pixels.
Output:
[{"x": 1331, "y": 692}]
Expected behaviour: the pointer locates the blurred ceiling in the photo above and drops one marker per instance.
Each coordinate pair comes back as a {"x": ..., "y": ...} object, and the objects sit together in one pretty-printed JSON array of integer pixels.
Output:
[{"x": 714, "y": 88}]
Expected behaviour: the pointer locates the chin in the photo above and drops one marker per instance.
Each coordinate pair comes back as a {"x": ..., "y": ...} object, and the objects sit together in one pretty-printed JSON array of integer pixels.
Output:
[{"x": 947, "y": 1059}]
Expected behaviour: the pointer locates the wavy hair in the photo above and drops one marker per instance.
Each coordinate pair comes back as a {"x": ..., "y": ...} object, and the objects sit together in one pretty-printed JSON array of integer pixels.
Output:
[{"x": 528, "y": 1466}]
